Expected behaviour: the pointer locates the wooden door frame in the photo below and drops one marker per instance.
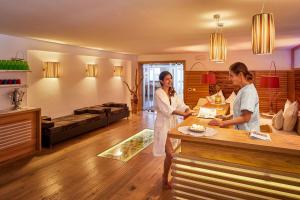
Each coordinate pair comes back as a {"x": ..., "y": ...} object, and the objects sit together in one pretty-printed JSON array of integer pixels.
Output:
[{"x": 140, "y": 75}]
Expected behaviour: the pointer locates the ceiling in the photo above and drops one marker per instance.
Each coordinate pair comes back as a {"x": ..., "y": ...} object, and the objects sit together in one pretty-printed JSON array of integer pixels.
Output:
[{"x": 146, "y": 26}]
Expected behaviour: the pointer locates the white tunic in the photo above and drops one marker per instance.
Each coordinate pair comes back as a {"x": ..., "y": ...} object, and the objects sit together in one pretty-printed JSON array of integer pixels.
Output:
[
  {"x": 164, "y": 119},
  {"x": 247, "y": 99}
]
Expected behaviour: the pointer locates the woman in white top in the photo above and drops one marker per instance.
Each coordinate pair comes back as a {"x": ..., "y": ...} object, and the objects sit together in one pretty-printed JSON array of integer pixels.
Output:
[
  {"x": 167, "y": 105},
  {"x": 246, "y": 103}
]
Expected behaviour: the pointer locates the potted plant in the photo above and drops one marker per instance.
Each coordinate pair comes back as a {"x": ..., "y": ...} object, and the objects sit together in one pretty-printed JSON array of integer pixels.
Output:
[{"x": 134, "y": 92}]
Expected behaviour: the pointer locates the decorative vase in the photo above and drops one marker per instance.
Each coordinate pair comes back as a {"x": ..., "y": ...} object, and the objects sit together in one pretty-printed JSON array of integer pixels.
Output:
[
  {"x": 134, "y": 104},
  {"x": 133, "y": 107}
]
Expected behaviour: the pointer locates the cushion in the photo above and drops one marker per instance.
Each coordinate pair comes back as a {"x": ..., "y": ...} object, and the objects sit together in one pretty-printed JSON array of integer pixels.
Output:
[
  {"x": 211, "y": 98},
  {"x": 201, "y": 102},
  {"x": 97, "y": 110},
  {"x": 114, "y": 104},
  {"x": 80, "y": 111},
  {"x": 117, "y": 110},
  {"x": 286, "y": 105},
  {"x": 290, "y": 116},
  {"x": 277, "y": 120},
  {"x": 230, "y": 100}
]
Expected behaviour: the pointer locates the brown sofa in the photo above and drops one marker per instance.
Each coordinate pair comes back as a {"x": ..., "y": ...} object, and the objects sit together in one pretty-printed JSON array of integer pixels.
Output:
[{"x": 82, "y": 121}]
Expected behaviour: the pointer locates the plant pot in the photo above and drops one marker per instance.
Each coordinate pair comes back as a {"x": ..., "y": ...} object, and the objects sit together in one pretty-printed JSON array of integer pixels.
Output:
[{"x": 134, "y": 106}]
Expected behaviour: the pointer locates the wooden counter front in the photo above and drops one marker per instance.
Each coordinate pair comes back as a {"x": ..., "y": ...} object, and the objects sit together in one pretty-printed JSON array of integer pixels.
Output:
[
  {"x": 231, "y": 165},
  {"x": 20, "y": 133}
]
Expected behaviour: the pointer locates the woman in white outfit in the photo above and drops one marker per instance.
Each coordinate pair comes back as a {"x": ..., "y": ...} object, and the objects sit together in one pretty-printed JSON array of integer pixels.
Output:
[{"x": 167, "y": 105}]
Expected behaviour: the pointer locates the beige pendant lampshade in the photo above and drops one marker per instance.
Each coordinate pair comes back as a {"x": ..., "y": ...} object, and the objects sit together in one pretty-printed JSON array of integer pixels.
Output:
[
  {"x": 217, "y": 51},
  {"x": 263, "y": 33}
]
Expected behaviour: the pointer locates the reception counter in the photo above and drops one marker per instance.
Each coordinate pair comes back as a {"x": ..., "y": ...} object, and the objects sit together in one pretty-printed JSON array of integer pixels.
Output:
[
  {"x": 20, "y": 133},
  {"x": 231, "y": 165}
]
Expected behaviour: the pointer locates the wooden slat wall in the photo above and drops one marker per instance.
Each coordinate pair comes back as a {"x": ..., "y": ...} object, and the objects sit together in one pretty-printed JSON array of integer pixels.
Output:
[
  {"x": 193, "y": 89},
  {"x": 193, "y": 80},
  {"x": 264, "y": 94},
  {"x": 225, "y": 83}
]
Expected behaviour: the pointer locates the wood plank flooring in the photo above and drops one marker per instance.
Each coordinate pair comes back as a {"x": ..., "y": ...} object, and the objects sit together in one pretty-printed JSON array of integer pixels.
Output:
[{"x": 72, "y": 170}]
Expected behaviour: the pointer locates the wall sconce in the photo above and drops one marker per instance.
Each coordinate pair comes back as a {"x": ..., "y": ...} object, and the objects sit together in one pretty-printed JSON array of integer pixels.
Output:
[
  {"x": 118, "y": 71},
  {"x": 51, "y": 69},
  {"x": 91, "y": 70}
]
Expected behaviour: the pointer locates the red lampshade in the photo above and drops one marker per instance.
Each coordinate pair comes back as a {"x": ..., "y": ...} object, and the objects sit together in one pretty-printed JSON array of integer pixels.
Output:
[
  {"x": 269, "y": 82},
  {"x": 209, "y": 78}
]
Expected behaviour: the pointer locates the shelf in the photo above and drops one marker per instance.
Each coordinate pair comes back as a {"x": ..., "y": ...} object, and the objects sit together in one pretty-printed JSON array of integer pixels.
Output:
[
  {"x": 13, "y": 85},
  {"x": 1, "y": 70}
]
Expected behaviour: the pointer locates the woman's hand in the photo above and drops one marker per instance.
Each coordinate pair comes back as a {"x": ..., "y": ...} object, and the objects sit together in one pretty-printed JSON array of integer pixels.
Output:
[
  {"x": 188, "y": 113},
  {"x": 216, "y": 122}
]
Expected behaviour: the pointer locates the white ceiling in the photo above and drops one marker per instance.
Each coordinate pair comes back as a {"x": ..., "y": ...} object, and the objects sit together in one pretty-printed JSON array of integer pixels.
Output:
[{"x": 146, "y": 26}]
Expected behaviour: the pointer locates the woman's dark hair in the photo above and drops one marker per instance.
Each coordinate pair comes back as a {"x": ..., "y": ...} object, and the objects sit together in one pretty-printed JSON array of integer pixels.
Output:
[
  {"x": 162, "y": 76},
  {"x": 240, "y": 67}
]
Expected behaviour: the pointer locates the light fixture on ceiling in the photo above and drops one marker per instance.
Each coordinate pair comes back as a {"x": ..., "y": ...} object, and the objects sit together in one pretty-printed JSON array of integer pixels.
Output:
[
  {"x": 51, "y": 69},
  {"x": 118, "y": 70},
  {"x": 217, "y": 50},
  {"x": 263, "y": 33},
  {"x": 91, "y": 70}
]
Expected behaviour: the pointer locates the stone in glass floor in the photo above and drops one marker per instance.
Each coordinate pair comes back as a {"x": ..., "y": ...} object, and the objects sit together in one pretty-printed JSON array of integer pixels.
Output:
[{"x": 130, "y": 147}]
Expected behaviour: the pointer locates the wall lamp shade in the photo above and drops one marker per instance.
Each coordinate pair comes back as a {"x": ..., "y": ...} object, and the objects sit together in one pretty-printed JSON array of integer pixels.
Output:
[
  {"x": 91, "y": 70},
  {"x": 209, "y": 78},
  {"x": 118, "y": 71},
  {"x": 263, "y": 33},
  {"x": 269, "y": 82},
  {"x": 217, "y": 50},
  {"x": 51, "y": 69}
]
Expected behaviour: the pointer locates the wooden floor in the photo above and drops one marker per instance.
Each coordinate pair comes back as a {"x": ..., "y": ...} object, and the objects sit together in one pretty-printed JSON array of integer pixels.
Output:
[{"x": 71, "y": 170}]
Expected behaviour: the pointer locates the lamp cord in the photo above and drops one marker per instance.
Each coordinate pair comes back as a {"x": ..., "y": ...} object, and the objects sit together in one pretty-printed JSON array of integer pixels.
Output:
[
  {"x": 263, "y": 6},
  {"x": 273, "y": 64}
]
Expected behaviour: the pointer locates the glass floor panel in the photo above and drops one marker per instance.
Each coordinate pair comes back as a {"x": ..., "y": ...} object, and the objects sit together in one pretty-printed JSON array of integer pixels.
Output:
[{"x": 128, "y": 148}]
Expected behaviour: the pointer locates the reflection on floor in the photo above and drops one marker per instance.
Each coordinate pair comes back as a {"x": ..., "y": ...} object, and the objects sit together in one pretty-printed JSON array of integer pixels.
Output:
[{"x": 127, "y": 149}]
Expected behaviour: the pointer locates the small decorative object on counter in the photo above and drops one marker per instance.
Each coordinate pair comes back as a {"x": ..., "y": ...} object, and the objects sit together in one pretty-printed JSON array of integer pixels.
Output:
[
  {"x": 16, "y": 98},
  {"x": 218, "y": 99}
]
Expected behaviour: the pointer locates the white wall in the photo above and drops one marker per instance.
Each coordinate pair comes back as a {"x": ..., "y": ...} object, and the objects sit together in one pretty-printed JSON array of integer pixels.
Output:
[
  {"x": 297, "y": 58},
  {"x": 254, "y": 62},
  {"x": 60, "y": 96}
]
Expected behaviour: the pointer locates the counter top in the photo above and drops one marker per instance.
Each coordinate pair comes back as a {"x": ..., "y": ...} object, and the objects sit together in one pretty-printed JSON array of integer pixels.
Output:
[
  {"x": 281, "y": 143},
  {"x": 4, "y": 113}
]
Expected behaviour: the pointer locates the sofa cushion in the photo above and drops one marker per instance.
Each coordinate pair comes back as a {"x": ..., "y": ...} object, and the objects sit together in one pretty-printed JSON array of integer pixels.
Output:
[
  {"x": 97, "y": 110},
  {"x": 117, "y": 110},
  {"x": 113, "y": 104},
  {"x": 70, "y": 121},
  {"x": 290, "y": 116},
  {"x": 277, "y": 120},
  {"x": 81, "y": 111}
]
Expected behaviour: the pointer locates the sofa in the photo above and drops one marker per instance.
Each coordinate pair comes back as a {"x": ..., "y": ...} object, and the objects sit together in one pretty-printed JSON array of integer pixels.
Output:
[{"x": 82, "y": 121}]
